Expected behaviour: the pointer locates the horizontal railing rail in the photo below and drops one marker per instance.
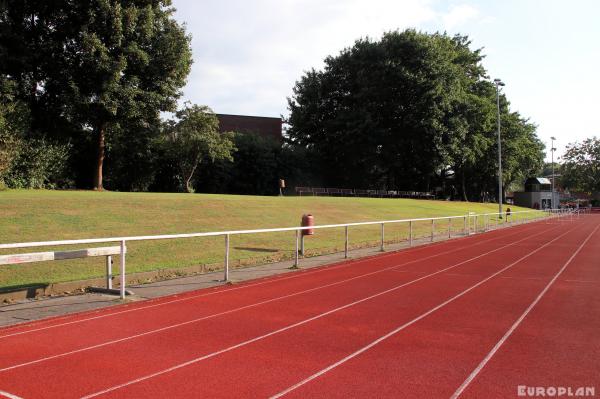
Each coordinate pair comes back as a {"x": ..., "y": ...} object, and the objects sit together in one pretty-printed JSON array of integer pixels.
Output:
[
  {"x": 232, "y": 232},
  {"x": 509, "y": 217}
]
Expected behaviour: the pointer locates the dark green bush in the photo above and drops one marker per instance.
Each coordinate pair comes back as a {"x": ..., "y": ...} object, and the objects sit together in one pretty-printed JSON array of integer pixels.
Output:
[{"x": 38, "y": 164}]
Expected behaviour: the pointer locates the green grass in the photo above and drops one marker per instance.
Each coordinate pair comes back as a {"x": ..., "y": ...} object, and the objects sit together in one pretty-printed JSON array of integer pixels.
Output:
[{"x": 37, "y": 215}]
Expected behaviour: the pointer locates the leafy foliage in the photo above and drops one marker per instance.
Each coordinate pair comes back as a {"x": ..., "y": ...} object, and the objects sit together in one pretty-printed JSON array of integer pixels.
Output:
[
  {"x": 194, "y": 137},
  {"x": 14, "y": 120},
  {"x": 259, "y": 162},
  {"x": 581, "y": 166},
  {"x": 85, "y": 81},
  {"x": 92, "y": 67},
  {"x": 411, "y": 111},
  {"x": 39, "y": 164}
]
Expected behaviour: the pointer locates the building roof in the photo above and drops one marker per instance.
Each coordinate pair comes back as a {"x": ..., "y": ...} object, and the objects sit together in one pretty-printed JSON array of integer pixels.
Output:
[{"x": 538, "y": 180}]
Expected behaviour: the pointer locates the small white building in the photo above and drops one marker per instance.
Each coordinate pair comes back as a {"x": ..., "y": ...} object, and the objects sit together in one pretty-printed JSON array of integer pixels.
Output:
[{"x": 538, "y": 194}]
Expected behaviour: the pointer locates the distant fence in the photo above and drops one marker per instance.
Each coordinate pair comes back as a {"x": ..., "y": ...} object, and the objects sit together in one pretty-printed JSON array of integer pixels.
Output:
[
  {"x": 351, "y": 192},
  {"x": 472, "y": 223}
]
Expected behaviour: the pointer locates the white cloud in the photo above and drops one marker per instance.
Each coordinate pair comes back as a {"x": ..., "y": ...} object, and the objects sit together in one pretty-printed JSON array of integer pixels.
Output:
[
  {"x": 247, "y": 55},
  {"x": 459, "y": 15}
]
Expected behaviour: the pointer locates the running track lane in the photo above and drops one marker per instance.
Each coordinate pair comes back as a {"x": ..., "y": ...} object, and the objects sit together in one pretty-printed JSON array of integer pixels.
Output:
[
  {"x": 281, "y": 360},
  {"x": 407, "y": 256},
  {"x": 434, "y": 356},
  {"x": 112, "y": 354},
  {"x": 87, "y": 365},
  {"x": 557, "y": 344},
  {"x": 53, "y": 341}
]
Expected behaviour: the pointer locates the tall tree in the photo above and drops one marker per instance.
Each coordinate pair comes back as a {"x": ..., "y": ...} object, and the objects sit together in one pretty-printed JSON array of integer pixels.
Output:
[
  {"x": 193, "y": 137},
  {"x": 95, "y": 65},
  {"x": 382, "y": 112},
  {"x": 410, "y": 111},
  {"x": 581, "y": 166}
]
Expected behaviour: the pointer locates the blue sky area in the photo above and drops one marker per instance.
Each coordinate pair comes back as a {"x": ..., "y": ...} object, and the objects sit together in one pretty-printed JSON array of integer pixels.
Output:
[{"x": 248, "y": 54}]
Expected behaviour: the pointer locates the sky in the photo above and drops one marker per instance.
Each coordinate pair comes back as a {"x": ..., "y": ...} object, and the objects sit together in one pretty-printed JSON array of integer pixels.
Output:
[{"x": 249, "y": 54}]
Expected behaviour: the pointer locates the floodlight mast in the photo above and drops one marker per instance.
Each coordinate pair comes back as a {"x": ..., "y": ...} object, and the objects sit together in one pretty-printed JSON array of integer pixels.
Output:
[
  {"x": 552, "y": 149},
  {"x": 499, "y": 83}
]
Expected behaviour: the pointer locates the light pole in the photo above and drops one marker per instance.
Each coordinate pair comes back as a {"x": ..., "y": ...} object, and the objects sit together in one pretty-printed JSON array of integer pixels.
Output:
[
  {"x": 552, "y": 149},
  {"x": 499, "y": 83}
]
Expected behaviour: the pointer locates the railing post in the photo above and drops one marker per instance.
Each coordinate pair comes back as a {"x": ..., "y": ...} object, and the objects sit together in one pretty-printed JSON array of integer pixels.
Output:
[
  {"x": 109, "y": 275},
  {"x": 449, "y": 228},
  {"x": 410, "y": 233},
  {"x": 382, "y": 237},
  {"x": 296, "y": 256},
  {"x": 122, "y": 288},
  {"x": 346, "y": 243},
  {"x": 432, "y": 229},
  {"x": 226, "y": 268},
  {"x": 465, "y": 226},
  {"x": 475, "y": 229}
]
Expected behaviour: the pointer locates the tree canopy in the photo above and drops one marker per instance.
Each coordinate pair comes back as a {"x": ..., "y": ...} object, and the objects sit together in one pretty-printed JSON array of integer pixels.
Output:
[
  {"x": 410, "y": 111},
  {"x": 581, "y": 166},
  {"x": 82, "y": 82},
  {"x": 87, "y": 69},
  {"x": 194, "y": 137}
]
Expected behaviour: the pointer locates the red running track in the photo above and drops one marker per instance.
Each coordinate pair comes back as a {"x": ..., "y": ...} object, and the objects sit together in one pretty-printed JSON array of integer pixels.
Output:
[{"x": 483, "y": 317}]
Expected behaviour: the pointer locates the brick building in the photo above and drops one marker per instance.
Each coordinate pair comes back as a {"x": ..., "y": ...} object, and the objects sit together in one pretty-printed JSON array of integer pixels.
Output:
[{"x": 263, "y": 126}]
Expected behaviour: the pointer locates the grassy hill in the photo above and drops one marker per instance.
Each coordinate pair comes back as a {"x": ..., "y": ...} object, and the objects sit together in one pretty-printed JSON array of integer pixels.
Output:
[{"x": 35, "y": 215}]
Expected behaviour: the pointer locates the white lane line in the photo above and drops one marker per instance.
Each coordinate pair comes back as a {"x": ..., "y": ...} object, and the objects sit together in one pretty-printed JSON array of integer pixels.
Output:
[
  {"x": 391, "y": 268},
  {"x": 289, "y": 327},
  {"x": 507, "y": 277},
  {"x": 9, "y": 395},
  {"x": 405, "y": 325},
  {"x": 516, "y": 324},
  {"x": 269, "y": 281}
]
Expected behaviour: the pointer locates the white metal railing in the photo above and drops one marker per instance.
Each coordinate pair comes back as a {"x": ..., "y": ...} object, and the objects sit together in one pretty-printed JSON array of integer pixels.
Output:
[{"x": 471, "y": 224}]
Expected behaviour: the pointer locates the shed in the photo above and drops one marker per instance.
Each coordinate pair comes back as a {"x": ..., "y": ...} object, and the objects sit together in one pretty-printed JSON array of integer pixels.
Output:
[
  {"x": 534, "y": 184},
  {"x": 537, "y": 195}
]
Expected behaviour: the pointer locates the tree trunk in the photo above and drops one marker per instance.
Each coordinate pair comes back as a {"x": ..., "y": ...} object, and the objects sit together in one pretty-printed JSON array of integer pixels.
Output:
[
  {"x": 100, "y": 158},
  {"x": 188, "y": 181},
  {"x": 464, "y": 186}
]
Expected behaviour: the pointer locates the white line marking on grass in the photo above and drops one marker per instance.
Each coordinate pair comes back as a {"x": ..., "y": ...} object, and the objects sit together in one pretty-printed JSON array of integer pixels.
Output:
[
  {"x": 269, "y": 281},
  {"x": 405, "y": 325},
  {"x": 319, "y": 316},
  {"x": 516, "y": 324},
  {"x": 9, "y": 395},
  {"x": 391, "y": 268}
]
